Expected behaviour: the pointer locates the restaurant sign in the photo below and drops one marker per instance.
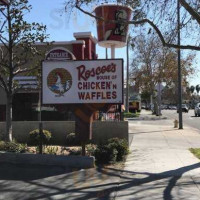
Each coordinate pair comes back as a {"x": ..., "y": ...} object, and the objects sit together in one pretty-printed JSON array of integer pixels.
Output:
[
  {"x": 59, "y": 54},
  {"x": 91, "y": 81}
]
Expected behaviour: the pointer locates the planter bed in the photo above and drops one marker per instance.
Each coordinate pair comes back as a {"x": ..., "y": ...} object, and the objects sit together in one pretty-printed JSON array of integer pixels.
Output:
[{"x": 74, "y": 162}]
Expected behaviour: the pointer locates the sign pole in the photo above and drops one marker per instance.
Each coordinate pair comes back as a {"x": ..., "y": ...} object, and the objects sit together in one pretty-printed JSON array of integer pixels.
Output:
[{"x": 112, "y": 51}]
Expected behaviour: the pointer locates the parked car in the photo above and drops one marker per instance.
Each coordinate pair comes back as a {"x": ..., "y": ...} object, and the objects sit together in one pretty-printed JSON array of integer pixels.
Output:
[
  {"x": 172, "y": 107},
  {"x": 185, "y": 108},
  {"x": 197, "y": 110}
]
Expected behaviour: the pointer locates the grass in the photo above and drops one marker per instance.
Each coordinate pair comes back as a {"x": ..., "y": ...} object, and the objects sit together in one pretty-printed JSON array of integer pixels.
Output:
[{"x": 195, "y": 151}]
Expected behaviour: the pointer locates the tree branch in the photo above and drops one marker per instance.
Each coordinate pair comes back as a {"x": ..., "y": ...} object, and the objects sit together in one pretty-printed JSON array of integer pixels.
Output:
[
  {"x": 143, "y": 21},
  {"x": 192, "y": 12},
  {"x": 3, "y": 84},
  {"x": 20, "y": 71}
]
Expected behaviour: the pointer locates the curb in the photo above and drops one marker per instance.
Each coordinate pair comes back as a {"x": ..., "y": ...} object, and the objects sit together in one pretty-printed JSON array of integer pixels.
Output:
[
  {"x": 145, "y": 118},
  {"x": 75, "y": 162}
]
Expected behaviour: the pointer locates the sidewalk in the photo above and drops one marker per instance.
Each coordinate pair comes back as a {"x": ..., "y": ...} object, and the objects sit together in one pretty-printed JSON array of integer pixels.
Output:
[
  {"x": 146, "y": 115},
  {"x": 160, "y": 165}
]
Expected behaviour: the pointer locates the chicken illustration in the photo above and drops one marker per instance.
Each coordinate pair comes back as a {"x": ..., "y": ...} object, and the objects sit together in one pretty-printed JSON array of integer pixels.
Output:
[
  {"x": 59, "y": 84},
  {"x": 60, "y": 81}
]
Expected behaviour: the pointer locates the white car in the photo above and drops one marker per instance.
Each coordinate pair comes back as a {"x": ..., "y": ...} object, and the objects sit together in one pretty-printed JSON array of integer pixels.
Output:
[{"x": 197, "y": 110}]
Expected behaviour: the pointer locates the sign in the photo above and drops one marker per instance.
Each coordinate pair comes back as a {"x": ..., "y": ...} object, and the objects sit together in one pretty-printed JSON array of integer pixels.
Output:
[
  {"x": 59, "y": 53},
  {"x": 112, "y": 33},
  {"x": 92, "y": 81}
]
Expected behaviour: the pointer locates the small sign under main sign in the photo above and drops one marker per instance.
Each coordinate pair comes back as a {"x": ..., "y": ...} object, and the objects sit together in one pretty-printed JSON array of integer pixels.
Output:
[{"x": 59, "y": 54}]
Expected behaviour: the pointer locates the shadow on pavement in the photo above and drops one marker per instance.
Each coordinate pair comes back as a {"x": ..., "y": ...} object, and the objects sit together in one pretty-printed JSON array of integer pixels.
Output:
[
  {"x": 29, "y": 172},
  {"x": 25, "y": 182}
]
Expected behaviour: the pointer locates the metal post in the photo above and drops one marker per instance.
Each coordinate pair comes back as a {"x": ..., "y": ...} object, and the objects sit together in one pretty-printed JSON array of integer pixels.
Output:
[
  {"x": 112, "y": 51},
  {"x": 179, "y": 70},
  {"x": 127, "y": 77},
  {"x": 159, "y": 99}
]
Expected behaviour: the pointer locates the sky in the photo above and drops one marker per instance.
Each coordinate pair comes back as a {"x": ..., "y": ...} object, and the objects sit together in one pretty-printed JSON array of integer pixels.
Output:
[{"x": 61, "y": 27}]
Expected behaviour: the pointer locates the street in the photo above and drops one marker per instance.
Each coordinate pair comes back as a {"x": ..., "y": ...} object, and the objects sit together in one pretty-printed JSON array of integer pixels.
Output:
[{"x": 189, "y": 118}]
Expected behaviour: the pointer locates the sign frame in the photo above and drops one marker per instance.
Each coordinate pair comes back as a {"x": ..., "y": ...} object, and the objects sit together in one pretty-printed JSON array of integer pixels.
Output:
[{"x": 82, "y": 103}]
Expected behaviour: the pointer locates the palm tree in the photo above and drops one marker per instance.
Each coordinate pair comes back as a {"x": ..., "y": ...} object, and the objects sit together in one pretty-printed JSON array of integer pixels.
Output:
[
  {"x": 192, "y": 88},
  {"x": 198, "y": 89}
]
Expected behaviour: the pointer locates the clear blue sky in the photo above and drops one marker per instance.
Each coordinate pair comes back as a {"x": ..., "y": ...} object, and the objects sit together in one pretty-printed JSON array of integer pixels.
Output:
[{"x": 61, "y": 27}]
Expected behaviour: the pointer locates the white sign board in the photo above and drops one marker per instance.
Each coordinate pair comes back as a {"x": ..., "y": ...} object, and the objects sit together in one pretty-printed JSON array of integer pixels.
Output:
[{"x": 91, "y": 81}]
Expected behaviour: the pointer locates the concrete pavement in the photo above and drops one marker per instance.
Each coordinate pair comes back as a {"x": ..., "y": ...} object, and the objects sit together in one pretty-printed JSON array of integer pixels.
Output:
[{"x": 160, "y": 165}]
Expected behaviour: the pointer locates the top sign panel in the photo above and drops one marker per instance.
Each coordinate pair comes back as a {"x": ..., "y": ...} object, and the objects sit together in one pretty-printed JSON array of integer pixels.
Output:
[{"x": 93, "y": 81}]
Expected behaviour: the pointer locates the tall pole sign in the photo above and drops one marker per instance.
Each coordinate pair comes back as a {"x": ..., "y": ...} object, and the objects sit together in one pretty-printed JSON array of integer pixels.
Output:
[{"x": 86, "y": 86}]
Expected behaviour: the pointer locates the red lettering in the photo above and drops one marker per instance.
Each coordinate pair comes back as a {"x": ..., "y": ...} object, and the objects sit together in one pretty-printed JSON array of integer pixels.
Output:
[
  {"x": 81, "y": 95},
  {"x": 98, "y": 70},
  {"x": 103, "y": 85},
  {"x": 80, "y": 86},
  {"x": 87, "y": 96},
  {"x": 81, "y": 71},
  {"x": 108, "y": 95},
  {"x": 93, "y": 85},
  {"x": 86, "y": 74},
  {"x": 103, "y": 69},
  {"x": 113, "y": 67},
  {"x": 114, "y": 86},
  {"x": 98, "y": 95},
  {"x": 93, "y": 95},
  {"x": 114, "y": 95}
]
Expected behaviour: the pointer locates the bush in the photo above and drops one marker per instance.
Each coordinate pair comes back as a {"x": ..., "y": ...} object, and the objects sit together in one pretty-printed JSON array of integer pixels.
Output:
[
  {"x": 105, "y": 154},
  {"x": 51, "y": 150},
  {"x": 75, "y": 152},
  {"x": 130, "y": 115},
  {"x": 114, "y": 150},
  {"x": 121, "y": 145},
  {"x": 72, "y": 140},
  {"x": 90, "y": 149},
  {"x": 13, "y": 147},
  {"x": 35, "y": 138}
]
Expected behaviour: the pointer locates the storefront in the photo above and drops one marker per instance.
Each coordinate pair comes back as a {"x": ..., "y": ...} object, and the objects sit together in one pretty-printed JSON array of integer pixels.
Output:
[{"x": 25, "y": 102}]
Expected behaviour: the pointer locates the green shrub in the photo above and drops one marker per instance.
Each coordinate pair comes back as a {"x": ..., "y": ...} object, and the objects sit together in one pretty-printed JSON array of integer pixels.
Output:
[
  {"x": 35, "y": 138},
  {"x": 51, "y": 150},
  {"x": 13, "y": 147},
  {"x": 114, "y": 150},
  {"x": 121, "y": 145},
  {"x": 72, "y": 140},
  {"x": 105, "y": 154},
  {"x": 90, "y": 149},
  {"x": 75, "y": 152},
  {"x": 130, "y": 115}
]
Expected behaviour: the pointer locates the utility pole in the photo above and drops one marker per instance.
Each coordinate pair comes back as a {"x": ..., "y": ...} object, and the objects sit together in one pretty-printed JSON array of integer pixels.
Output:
[{"x": 179, "y": 69}]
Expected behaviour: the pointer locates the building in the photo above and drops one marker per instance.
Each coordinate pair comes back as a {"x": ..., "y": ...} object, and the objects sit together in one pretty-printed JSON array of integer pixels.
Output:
[{"x": 25, "y": 102}]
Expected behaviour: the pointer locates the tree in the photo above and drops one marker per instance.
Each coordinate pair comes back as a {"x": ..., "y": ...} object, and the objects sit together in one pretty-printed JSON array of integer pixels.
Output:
[
  {"x": 153, "y": 64},
  {"x": 192, "y": 88},
  {"x": 161, "y": 16},
  {"x": 17, "y": 50},
  {"x": 197, "y": 88}
]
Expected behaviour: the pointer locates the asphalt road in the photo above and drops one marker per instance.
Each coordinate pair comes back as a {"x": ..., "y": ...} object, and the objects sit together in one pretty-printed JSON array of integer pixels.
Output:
[{"x": 189, "y": 118}]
